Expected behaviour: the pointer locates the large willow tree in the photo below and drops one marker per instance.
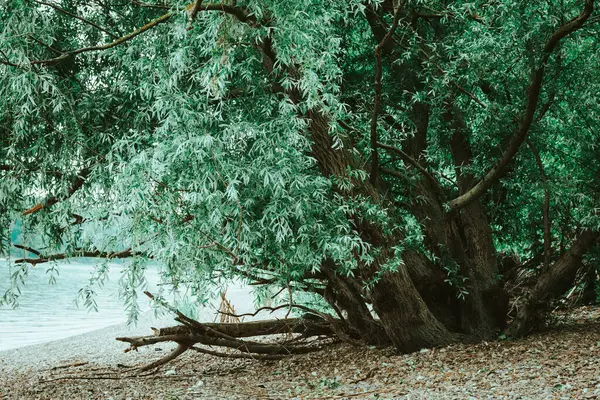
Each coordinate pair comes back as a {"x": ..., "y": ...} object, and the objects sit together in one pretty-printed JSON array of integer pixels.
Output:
[{"x": 396, "y": 160}]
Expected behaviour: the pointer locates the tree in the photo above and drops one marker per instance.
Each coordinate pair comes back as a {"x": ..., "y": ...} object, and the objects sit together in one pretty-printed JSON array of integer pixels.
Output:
[{"x": 389, "y": 159}]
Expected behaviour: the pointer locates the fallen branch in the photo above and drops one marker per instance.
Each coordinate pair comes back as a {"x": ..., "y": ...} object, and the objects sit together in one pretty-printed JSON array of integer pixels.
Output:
[{"x": 227, "y": 335}]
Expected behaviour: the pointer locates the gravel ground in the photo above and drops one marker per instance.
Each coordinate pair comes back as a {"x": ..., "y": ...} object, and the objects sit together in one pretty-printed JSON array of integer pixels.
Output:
[
  {"x": 96, "y": 348},
  {"x": 563, "y": 363}
]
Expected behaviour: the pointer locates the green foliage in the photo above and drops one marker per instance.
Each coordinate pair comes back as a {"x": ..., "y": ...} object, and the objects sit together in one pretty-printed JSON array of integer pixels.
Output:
[{"x": 193, "y": 157}]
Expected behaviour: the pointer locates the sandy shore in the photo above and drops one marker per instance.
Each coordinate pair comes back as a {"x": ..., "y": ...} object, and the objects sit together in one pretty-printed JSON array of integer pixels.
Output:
[
  {"x": 563, "y": 363},
  {"x": 98, "y": 347}
]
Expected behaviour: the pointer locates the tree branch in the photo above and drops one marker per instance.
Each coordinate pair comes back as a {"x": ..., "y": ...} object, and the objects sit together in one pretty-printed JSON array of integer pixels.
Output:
[
  {"x": 70, "y": 14},
  {"x": 75, "y": 186},
  {"x": 107, "y": 46},
  {"x": 377, "y": 100},
  {"x": 545, "y": 207},
  {"x": 528, "y": 115},
  {"x": 38, "y": 41},
  {"x": 77, "y": 253},
  {"x": 239, "y": 12},
  {"x": 28, "y": 249},
  {"x": 416, "y": 164},
  {"x": 195, "y": 8}
]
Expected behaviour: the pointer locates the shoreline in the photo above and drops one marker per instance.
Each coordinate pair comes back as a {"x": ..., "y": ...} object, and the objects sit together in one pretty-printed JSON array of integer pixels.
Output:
[
  {"x": 96, "y": 347},
  {"x": 559, "y": 363}
]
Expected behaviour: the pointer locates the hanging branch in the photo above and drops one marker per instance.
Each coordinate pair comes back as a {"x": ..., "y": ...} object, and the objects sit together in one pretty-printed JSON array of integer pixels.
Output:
[
  {"x": 377, "y": 100},
  {"x": 75, "y": 186}
]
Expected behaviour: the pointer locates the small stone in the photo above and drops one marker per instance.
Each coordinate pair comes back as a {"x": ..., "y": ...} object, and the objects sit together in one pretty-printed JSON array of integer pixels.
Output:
[
  {"x": 171, "y": 372},
  {"x": 199, "y": 383}
]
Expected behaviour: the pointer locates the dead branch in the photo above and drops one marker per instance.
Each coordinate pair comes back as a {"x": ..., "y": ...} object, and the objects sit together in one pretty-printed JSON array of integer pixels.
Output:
[{"x": 192, "y": 332}]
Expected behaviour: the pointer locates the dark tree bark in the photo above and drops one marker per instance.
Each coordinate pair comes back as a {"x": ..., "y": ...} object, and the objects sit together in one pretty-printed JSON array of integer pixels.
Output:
[
  {"x": 404, "y": 315},
  {"x": 482, "y": 313},
  {"x": 552, "y": 282}
]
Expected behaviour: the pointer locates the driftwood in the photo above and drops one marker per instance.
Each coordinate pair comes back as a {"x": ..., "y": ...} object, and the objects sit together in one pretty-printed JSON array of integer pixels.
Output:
[{"x": 191, "y": 333}]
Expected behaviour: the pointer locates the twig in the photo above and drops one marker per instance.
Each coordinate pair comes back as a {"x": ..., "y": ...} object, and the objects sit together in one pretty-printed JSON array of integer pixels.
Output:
[
  {"x": 239, "y": 355},
  {"x": 181, "y": 348},
  {"x": 69, "y": 366}
]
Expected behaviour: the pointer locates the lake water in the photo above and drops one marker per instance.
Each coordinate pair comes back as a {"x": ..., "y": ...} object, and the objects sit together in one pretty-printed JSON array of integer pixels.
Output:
[{"x": 48, "y": 312}]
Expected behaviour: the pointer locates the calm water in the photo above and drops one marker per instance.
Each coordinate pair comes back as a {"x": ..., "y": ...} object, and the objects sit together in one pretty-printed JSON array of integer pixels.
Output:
[{"x": 48, "y": 312}]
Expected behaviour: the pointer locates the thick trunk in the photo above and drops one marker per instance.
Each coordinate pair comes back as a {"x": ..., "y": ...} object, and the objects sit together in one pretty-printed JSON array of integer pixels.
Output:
[
  {"x": 552, "y": 282},
  {"x": 394, "y": 293},
  {"x": 484, "y": 310},
  {"x": 409, "y": 323},
  {"x": 405, "y": 317}
]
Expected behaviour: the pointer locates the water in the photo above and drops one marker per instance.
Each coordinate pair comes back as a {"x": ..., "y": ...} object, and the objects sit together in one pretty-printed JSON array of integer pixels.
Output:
[{"x": 48, "y": 312}]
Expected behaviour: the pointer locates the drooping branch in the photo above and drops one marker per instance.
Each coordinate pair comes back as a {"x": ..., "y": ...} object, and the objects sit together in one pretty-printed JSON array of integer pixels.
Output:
[{"x": 528, "y": 115}]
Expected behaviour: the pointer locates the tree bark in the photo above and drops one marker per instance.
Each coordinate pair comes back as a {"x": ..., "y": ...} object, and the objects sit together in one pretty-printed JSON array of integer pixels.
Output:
[
  {"x": 552, "y": 282},
  {"x": 404, "y": 315},
  {"x": 484, "y": 309}
]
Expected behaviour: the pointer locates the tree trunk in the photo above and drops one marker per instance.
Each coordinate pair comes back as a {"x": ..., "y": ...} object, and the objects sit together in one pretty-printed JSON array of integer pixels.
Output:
[
  {"x": 552, "y": 282},
  {"x": 405, "y": 317},
  {"x": 409, "y": 323},
  {"x": 485, "y": 308}
]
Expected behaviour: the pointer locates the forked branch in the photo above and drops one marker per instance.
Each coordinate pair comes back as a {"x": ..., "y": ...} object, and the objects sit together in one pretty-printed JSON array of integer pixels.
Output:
[{"x": 528, "y": 114}]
